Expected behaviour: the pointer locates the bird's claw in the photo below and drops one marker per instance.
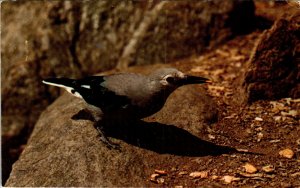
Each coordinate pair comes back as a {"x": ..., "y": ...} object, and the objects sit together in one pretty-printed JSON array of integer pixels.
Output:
[{"x": 106, "y": 141}]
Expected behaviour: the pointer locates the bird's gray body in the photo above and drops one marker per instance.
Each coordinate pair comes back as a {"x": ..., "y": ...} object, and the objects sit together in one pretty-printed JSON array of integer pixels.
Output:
[
  {"x": 145, "y": 94},
  {"x": 127, "y": 95},
  {"x": 124, "y": 96}
]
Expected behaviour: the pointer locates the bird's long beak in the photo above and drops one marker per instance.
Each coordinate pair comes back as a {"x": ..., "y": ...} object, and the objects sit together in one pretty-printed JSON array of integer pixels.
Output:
[{"x": 194, "y": 80}]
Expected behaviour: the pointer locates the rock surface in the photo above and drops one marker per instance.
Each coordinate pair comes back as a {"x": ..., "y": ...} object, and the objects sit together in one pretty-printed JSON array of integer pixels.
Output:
[
  {"x": 41, "y": 39},
  {"x": 274, "y": 67},
  {"x": 65, "y": 152},
  {"x": 66, "y": 38}
]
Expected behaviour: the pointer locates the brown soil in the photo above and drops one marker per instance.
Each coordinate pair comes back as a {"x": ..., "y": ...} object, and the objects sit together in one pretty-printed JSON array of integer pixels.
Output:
[
  {"x": 262, "y": 128},
  {"x": 238, "y": 128}
]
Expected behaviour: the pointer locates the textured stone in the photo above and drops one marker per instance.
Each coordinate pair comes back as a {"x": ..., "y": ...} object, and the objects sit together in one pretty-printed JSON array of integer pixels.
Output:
[
  {"x": 41, "y": 39},
  {"x": 64, "y": 152},
  {"x": 273, "y": 70},
  {"x": 65, "y": 38}
]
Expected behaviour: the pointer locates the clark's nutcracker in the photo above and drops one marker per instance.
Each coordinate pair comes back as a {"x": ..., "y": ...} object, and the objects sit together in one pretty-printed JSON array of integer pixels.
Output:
[{"x": 126, "y": 95}]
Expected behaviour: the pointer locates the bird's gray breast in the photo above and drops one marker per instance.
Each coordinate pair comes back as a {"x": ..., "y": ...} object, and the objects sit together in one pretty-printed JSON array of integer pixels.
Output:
[
  {"x": 152, "y": 105},
  {"x": 145, "y": 96}
]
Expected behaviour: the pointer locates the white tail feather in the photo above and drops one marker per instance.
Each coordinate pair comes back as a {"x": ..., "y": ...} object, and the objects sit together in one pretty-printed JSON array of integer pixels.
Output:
[{"x": 68, "y": 89}]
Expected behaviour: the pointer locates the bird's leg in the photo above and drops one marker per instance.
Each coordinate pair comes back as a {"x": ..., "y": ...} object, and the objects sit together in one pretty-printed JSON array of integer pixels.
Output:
[
  {"x": 94, "y": 114},
  {"x": 100, "y": 128}
]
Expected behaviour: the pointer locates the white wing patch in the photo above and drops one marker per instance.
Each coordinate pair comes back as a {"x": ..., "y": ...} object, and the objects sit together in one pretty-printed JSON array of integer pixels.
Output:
[
  {"x": 68, "y": 89},
  {"x": 86, "y": 86}
]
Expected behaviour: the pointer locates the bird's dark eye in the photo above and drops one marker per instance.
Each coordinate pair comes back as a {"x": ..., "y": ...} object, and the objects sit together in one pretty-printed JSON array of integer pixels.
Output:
[
  {"x": 170, "y": 80},
  {"x": 73, "y": 91}
]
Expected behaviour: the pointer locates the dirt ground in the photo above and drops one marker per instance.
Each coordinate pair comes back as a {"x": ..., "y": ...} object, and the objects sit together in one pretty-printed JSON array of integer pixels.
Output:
[
  {"x": 263, "y": 128},
  {"x": 268, "y": 130}
]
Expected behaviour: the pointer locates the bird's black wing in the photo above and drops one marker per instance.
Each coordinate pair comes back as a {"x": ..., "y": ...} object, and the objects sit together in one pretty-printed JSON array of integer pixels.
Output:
[{"x": 93, "y": 92}]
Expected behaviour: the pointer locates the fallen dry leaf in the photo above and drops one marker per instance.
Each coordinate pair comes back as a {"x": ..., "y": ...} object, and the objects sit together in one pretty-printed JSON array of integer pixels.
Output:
[
  {"x": 259, "y": 129},
  {"x": 248, "y": 175},
  {"x": 295, "y": 100},
  {"x": 291, "y": 113},
  {"x": 295, "y": 174},
  {"x": 249, "y": 168},
  {"x": 258, "y": 119},
  {"x": 183, "y": 173},
  {"x": 257, "y": 176},
  {"x": 268, "y": 168},
  {"x": 274, "y": 141},
  {"x": 242, "y": 150},
  {"x": 202, "y": 174},
  {"x": 178, "y": 186},
  {"x": 231, "y": 116},
  {"x": 238, "y": 64},
  {"x": 154, "y": 177},
  {"x": 211, "y": 137},
  {"x": 260, "y": 135},
  {"x": 222, "y": 53},
  {"x": 160, "y": 180},
  {"x": 161, "y": 172},
  {"x": 229, "y": 179},
  {"x": 216, "y": 90},
  {"x": 287, "y": 153},
  {"x": 277, "y": 118},
  {"x": 217, "y": 72},
  {"x": 237, "y": 58},
  {"x": 277, "y": 106},
  {"x": 199, "y": 70},
  {"x": 229, "y": 76}
]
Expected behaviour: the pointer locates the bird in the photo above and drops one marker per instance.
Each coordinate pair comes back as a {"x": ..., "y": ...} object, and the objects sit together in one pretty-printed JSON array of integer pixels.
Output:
[{"x": 125, "y": 96}]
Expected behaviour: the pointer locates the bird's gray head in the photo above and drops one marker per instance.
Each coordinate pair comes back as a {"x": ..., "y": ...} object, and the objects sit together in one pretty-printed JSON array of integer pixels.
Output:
[{"x": 173, "y": 78}]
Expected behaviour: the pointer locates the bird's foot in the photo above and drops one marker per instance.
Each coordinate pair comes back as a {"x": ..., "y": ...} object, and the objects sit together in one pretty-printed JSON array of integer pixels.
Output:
[{"x": 105, "y": 140}]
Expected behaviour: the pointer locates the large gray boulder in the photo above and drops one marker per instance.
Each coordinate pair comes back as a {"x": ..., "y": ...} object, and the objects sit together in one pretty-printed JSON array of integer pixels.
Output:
[{"x": 66, "y": 152}]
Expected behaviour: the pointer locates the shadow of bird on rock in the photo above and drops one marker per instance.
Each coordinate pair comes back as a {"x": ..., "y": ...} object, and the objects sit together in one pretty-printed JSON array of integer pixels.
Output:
[
  {"x": 161, "y": 138},
  {"x": 165, "y": 139}
]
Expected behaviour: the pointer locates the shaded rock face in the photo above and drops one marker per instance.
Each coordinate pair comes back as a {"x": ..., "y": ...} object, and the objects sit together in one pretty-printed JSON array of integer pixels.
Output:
[
  {"x": 34, "y": 47},
  {"x": 65, "y": 152},
  {"x": 273, "y": 70},
  {"x": 46, "y": 39},
  {"x": 43, "y": 39}
]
